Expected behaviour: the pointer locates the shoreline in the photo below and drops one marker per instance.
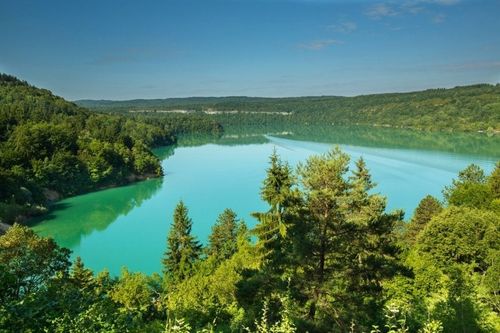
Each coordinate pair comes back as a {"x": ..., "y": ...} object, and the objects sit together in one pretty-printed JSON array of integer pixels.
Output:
[{"x": 37, "y": 211}]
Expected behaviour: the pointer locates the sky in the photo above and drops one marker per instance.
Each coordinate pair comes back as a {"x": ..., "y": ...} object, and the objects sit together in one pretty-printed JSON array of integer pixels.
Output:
[{"x": 157, "y": 49}]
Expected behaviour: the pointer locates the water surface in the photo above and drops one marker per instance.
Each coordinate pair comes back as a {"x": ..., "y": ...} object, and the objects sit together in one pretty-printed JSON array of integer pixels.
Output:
[{"x": 127, "y": 226}]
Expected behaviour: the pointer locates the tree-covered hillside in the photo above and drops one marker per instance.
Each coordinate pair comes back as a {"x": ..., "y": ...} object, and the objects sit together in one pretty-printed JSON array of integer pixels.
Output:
[
  {"x": 325, "y": 256},
  {"x": 51, "y": 148},
  {"x": 468, "y": 108}
]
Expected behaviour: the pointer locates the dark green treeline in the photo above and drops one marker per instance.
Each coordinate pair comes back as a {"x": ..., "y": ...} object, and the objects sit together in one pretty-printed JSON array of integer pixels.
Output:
[{"x": 467, "y": 108}]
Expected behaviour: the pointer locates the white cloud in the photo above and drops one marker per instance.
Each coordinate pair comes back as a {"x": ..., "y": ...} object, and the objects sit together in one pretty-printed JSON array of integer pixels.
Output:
[
  {"x": 414, "y": 7},
  {"x": 344, "y": 27},
  {"x": 381, "y": 10},
  {"x": 317, "y": 45}
]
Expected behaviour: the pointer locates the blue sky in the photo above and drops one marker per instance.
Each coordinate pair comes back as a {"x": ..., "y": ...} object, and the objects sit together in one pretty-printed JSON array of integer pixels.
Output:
[{"x": 157, "y": 49}]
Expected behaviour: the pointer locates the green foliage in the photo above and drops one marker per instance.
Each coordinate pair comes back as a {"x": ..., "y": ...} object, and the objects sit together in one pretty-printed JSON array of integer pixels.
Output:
[
  {"x": 51, "y": 148},
  {"x": 472, "y": 174},
  {"x": 469, "y": 108},
  {"x": 223, "y": 241},
  {"x": 473, "y": 189},
  {"x": 273, "y": 224},
  {"x": 494, "y": 181},
  {"x": 81, "y": 276},
  {"x": 133, "y": 292},
  {"x": 461, "y": 235},
  {"x": 433, "y": 326},
  {"x": 283, "y": 325},
  {"x": 177, "y": 326},
  {"x": 211, "y": 295},
  {"x": 471, "y": 195},
  {"x": 277, "y": 184},
  {"x": 339, "y": 268},
  {"x": 30, "y": 261},
  {"x": 426, "y": 209},
  {"x": 455, "y": 265},
  {"x": 350, "y": 249},
  {"x": 182, "y": 248}
]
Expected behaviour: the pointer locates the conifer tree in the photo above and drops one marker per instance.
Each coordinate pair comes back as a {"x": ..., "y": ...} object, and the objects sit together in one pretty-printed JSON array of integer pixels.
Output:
[
  {"x": 360, "y": 183},
  {"x": 277, "y": 184},
  {"x": 350, "y": 248},
  {"x": 82, "y": 276},
  {"x": 272, "y": 227},
  {"x": 372, "y": 251},
  {"x": 182, "y": 248},
  {"x": 223, "y": 241},
  {"x": 273, "y": 232},
  {"x": 426, "y": 209},
  {"x": 325, "y": 191}
]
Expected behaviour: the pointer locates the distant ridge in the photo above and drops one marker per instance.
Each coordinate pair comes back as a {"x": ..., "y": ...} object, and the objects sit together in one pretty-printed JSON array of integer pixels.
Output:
[
  {"x": 463, "y": 108},
  {"x": 211, "y": 99}
]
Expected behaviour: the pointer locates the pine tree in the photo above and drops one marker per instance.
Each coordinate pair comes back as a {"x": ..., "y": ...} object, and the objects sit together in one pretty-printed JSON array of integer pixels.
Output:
[
  {"x": 361, "y": 176},
  {"x": 325, "y": 191},
  {"x": 182, "y": 248},
  {"x": 426, "y": 209},
  {"x": 277, "y": 184},
  {"x": 360, "y": 183},
  {"x": 372, "y": 247},
  {"x": 223, "y": 241},
  {"x": 350, "y": 248},
  {"x": 272, "y": 227},
  {"x": 82, "y": 276},
  {"x": 273, "y": 232}
]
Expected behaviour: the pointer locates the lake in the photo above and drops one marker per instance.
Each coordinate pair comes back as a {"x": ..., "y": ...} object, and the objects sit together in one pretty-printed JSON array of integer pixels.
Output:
[{"x": 128, "y": 226}]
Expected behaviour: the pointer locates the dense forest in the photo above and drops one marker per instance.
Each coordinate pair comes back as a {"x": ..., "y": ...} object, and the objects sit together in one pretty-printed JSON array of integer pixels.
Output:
[
  {"x": 51, "y": 148},
  {"x": 468, "y": 108},
  {"x": 324, "y": 257}
]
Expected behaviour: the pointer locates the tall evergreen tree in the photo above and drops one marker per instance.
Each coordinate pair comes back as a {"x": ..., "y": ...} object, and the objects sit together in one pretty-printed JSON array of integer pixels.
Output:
[
  {"x": 223, "y": 241},
  {"x": 273, "y": 235},
  {"x": 359, "y": 200},
  {"x": 325, "y": 190},
  {"x": 182, "y": 248},
  {"x": 426, "y": 209},
  {"x": 82, "y": 276},
  {"x": 350, "y": 245},
  {"x": 273, "y": 224},
  {"x": 277, "y": 184},
  {"x": 373, "y": 252}
]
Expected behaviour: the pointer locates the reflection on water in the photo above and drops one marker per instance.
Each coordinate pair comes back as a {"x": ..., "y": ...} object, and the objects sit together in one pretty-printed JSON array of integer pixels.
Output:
[
  {"x": 463, "y": 143},
  {"x": 164, "y": 152},
  {"x": 93, "y": 212}
]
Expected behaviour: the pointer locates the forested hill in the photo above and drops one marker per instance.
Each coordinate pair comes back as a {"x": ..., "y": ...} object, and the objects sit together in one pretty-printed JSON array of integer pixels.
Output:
[
  {"x": 468, "y": 108},
  {"x": 51, "y": 148}
]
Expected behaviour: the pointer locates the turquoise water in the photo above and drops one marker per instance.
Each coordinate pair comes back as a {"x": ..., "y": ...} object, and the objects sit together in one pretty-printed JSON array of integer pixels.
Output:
[{"x": 127, "y": 226}]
